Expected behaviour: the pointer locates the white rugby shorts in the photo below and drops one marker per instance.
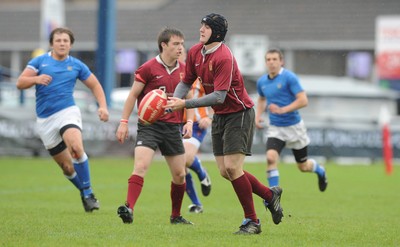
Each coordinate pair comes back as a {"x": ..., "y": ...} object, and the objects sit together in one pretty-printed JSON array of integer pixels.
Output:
[
  {"x": 295, "y": 136},
  {"x": 193, "y": 141},
  {"x": 49, "y": 128}
]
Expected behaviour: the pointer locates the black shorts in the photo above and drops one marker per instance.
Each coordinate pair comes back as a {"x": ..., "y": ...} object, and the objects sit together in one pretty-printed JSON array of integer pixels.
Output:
[
  {"x": 233, "y": 133},
  {"x": 165, "y": 136}
]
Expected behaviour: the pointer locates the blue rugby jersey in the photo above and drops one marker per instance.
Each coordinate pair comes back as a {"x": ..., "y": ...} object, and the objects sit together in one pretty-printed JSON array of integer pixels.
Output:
[
  {"x": 58, "y": 95},
  {"x": 281, "y": 91}
]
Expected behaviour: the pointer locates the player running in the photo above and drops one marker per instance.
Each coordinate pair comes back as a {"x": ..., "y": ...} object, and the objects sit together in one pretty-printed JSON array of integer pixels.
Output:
[
  {"x": 281, "y": 91},
  {"x": 59, "y": 120}
]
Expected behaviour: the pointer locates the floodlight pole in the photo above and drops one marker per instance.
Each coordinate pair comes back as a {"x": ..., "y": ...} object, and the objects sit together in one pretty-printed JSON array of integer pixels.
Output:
[{"x": 105, "y": 66}]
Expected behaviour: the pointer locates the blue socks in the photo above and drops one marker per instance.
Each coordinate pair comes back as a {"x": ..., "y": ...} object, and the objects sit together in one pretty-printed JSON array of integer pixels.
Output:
[
  {"x": 319, "y": 170},
  {"x": 74, "y": 178},
  {"x": 273, "y": 177},
  {"x": 81, "y": 166},
  {"x": 197, "y": 168},
  {"x": 190, "y": 190},
  {"x": 201, "y": 174}
]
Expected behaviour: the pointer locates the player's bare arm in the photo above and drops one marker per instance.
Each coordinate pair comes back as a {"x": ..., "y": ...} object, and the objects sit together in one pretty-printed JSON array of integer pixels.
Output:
[
  {"x": 29, "y": 78},
  {"x": 261, "y": 105},
  {"x": 187, "y": 129},
  {"x": 122, "y": 131},
  {"x": 94, "y": 85}
]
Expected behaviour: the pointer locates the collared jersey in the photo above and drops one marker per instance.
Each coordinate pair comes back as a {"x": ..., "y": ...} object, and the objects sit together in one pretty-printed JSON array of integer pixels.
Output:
[
  {"x": 217, "y": 70},
  {"x": 155, "y": 75},
  {"x": 281, "y": 90},
  {"x": 58, "y": 95}
]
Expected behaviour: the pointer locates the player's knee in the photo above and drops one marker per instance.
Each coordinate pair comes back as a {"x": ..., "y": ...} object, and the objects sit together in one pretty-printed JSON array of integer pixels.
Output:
[
  {"x": 77, "y": 150},
  {"x": 181, "y": 174},
  {"x": 224, "y": 174},
  {"x": 178, "y": 177},
  {"x": 140, "y": 170},
  {"x": 230, "y": 173},
  {"x": 302, "y": 167}
]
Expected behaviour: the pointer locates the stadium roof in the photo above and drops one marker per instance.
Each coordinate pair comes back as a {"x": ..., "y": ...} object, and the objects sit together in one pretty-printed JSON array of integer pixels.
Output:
[{"x": 322, "y": 24}]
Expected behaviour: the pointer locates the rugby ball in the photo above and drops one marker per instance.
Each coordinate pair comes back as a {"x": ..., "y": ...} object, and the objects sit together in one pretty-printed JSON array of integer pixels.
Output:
[{"x": 151, "y": 107}]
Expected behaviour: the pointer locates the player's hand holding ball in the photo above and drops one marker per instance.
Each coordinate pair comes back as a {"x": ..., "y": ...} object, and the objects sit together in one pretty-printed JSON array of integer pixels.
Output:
[{"x": 174, "y": 104}]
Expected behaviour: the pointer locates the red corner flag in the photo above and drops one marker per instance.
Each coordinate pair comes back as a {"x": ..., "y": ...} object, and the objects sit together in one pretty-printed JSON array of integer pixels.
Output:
[{"x": 387, "y": 148}]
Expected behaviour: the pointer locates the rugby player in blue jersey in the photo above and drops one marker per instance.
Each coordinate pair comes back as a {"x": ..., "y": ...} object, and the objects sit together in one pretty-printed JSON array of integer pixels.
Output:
[
  {"x": 281, "y": 94},
  {"x": 59, "y": 123}
]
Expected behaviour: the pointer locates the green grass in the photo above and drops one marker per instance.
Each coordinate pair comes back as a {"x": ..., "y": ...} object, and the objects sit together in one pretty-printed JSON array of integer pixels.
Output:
[{"x": 39, "y": 207}]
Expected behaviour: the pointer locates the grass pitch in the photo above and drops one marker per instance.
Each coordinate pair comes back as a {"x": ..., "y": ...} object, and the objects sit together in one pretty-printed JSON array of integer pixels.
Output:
[{"x": 39, "y": 207}]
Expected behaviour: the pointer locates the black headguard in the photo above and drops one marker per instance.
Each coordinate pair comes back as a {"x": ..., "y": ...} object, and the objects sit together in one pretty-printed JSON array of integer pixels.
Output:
[{"x": 218, "y": 25}]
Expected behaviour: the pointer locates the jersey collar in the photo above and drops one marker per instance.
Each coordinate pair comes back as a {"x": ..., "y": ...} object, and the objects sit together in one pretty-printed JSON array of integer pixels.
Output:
[
  {"x": 205, "y": 52},
  {"x": 165, "y": 66},
  {"x": 280, "y": 72}
]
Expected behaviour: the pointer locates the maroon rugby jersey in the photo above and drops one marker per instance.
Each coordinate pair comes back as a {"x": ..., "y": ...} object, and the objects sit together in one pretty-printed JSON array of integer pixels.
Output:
[
  {"x": 218, "y": 70},
  {"x": 155, "y": 75}
]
